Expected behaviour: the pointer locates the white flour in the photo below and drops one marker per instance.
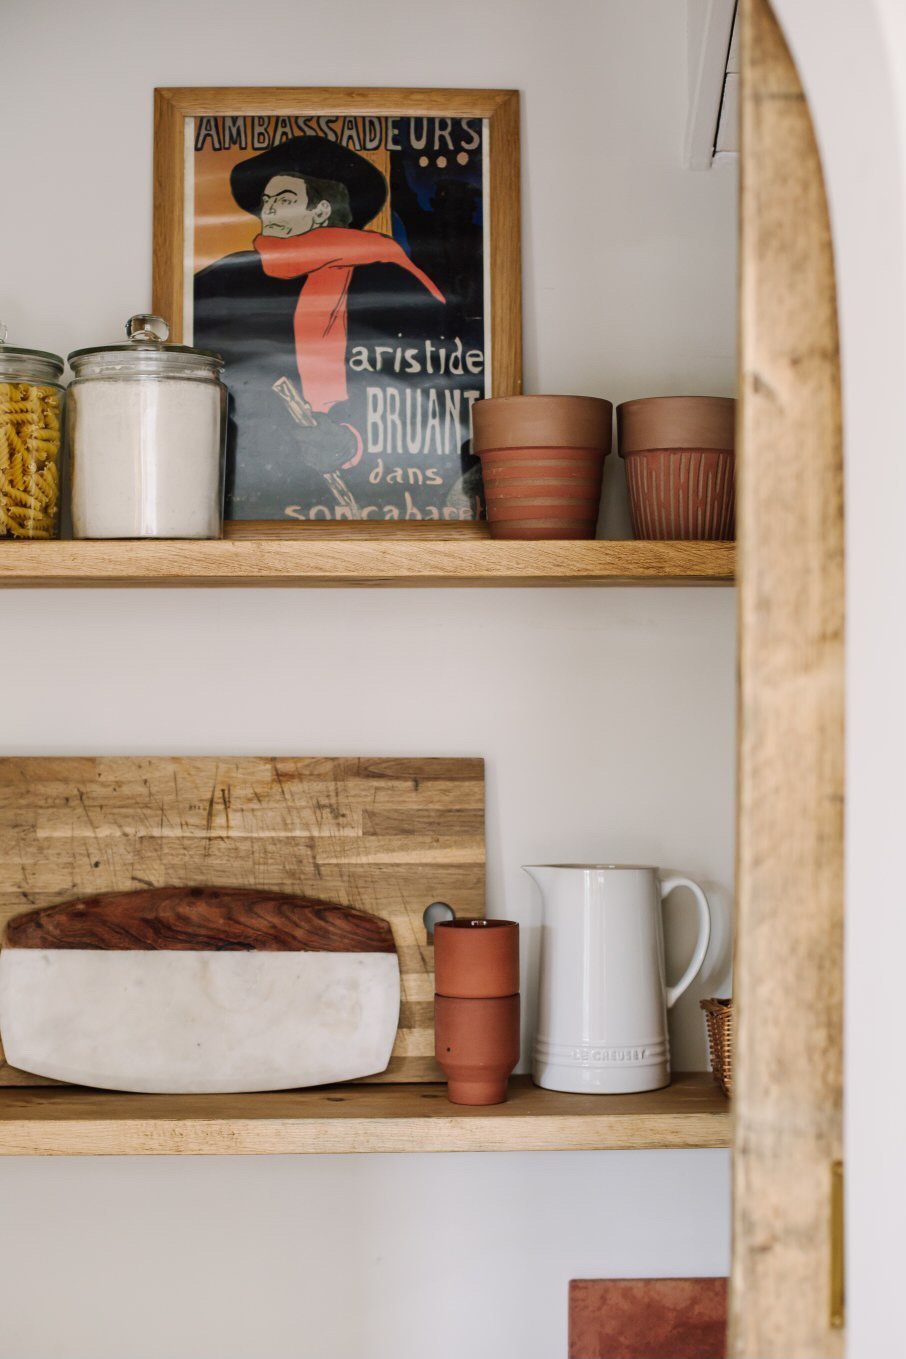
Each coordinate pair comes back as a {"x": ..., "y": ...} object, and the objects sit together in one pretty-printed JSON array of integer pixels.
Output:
[{"x": 146, "y": 458}]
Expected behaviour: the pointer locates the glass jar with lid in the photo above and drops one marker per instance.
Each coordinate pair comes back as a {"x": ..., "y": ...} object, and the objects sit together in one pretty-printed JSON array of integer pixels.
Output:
[
  {"x": 147, "y": 433},
  {"x": 31, "y": 400}
]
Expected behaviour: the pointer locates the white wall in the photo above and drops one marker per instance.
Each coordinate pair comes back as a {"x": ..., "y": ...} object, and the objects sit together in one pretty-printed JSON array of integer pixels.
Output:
[{"x": 606, "y": 717}]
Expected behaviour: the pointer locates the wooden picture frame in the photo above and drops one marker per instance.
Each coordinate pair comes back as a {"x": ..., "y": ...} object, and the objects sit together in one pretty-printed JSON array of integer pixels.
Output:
[{"x": 341, "y": 405}]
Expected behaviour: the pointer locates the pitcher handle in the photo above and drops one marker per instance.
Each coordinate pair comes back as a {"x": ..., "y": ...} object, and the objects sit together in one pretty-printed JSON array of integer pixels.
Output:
[{"x": 704, "y": 935}]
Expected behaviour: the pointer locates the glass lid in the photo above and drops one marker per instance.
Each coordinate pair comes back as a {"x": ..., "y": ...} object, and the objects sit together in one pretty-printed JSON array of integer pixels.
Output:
[
  {"x": 146, "y": 351},
  {"x": 18, "y": 364}
]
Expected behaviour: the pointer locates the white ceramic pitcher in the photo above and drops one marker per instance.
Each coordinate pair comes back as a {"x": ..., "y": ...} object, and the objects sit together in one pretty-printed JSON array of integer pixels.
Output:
[{"x": 602, "y": 1023}]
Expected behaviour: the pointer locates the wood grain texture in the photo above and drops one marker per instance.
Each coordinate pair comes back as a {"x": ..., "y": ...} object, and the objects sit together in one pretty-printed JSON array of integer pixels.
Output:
[
  {"x": 169, "y": 211},
  {"x": 196, "y": 101},
  {"x": 506, "y": 248},
  {"x": 178, "y": 919},
  {"x": 70, "y": 1121},
  {"x": 365, "y": 562},
  {"x": 79, "y": 827},
  {"x": 788, "y": 1079},
  {"x": 419, "y": 531}
]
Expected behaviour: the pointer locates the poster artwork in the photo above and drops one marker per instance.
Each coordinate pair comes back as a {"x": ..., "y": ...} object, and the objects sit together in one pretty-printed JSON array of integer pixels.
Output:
[{"x": 338, "y": 264}]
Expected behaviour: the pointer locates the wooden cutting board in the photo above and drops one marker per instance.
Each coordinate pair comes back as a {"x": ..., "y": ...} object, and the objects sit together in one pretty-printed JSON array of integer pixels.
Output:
[{"x": 383, "y": 835}]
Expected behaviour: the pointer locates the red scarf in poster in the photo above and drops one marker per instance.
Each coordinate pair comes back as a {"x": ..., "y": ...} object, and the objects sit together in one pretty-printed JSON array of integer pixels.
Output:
[{"x": 325, "y": 258}]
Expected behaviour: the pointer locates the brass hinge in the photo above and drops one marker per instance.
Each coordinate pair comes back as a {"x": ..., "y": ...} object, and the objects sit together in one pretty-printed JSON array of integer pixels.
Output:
[{"x": 837, "y": 1279}]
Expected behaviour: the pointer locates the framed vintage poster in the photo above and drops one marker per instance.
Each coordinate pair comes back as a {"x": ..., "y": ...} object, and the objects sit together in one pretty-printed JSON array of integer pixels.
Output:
[{"x": 354, "y": 257}]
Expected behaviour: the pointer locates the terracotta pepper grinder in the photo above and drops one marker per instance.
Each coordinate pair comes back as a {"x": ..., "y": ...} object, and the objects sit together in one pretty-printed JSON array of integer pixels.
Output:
[{"x": 476, "y": 1005}]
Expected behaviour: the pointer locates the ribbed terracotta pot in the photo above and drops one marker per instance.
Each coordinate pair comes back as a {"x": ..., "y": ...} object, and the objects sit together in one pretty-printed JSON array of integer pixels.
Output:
[
  {"x": 680, "y": 465},
  {"x": 476, "y": 1043},
  {"x": 542, "y": 463},
  {"x": 476, "y": 959}
]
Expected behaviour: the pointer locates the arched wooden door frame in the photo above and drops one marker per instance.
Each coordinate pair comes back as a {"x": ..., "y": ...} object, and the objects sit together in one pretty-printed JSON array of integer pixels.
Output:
[{"x": 788, "y": 981}]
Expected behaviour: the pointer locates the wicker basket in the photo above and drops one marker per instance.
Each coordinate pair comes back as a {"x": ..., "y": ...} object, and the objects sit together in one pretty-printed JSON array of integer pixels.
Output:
[{"x": 719, "y": 1017}]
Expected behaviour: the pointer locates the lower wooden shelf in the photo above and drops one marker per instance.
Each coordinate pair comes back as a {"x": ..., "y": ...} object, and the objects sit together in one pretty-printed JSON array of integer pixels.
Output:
[
  {"x": 73, "y": 1121},
  {"x": 364, "y": 561}
]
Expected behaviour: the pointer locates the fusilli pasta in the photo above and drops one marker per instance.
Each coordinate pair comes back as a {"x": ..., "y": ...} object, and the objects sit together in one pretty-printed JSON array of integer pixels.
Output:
[{"x": 29, "y": 460}]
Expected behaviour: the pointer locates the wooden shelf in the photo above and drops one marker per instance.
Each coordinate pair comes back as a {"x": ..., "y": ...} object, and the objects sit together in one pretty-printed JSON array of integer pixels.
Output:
[
  {"x": 72, "y": 1121},
  {"x": 370, "y": 561}
]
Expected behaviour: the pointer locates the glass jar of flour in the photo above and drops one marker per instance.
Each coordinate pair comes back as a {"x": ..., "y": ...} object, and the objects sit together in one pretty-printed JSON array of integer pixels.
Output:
[{"x": 146, "y": 426}]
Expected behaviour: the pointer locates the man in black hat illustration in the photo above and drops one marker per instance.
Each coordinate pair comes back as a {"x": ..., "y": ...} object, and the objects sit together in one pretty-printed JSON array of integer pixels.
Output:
[{"x": 284, "y": 315}]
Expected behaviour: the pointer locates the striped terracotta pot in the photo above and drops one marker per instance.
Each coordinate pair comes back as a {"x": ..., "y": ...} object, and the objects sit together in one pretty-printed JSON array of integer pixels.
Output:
[
  {"x": 680, "y": 465},
  {"x": 682, "y": 492},
  {"x": 542, "y": 463},
  {"x": 543, "y": 492}
]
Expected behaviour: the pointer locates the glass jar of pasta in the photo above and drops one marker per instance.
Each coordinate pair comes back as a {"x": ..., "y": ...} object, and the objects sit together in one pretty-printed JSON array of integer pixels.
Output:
[
  {"x": 147, "y": 430},
  {"x": 31, "y": 400}
]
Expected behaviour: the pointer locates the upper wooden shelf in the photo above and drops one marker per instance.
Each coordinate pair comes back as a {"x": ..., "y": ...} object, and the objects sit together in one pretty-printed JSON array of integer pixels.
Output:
[
  {"x": 367, "y": 561},
  {"x": 72, "y": 1121}
]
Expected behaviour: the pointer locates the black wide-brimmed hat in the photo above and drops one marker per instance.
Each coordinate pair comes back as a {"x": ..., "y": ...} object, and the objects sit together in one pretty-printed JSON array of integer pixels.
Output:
[{"x": 316, "y": 157}]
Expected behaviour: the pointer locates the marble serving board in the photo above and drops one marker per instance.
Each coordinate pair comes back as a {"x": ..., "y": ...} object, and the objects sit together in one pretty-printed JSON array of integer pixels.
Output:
[
  {"x": 386, "y": 836},
  {"x": 199, "y": 990}
]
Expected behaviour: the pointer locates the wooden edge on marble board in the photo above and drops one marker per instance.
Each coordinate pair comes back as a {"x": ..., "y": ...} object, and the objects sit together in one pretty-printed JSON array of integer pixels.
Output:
[{"x": 181, "y": 919}]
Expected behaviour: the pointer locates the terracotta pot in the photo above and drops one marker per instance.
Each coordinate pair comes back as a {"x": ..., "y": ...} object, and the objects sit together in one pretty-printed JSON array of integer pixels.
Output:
[
  {"x": 476, "y": 958},
  {"x": 476, "y": 1043},
  {"x": 680, "y": 465},
  {"x": 542, "y": 462}
]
